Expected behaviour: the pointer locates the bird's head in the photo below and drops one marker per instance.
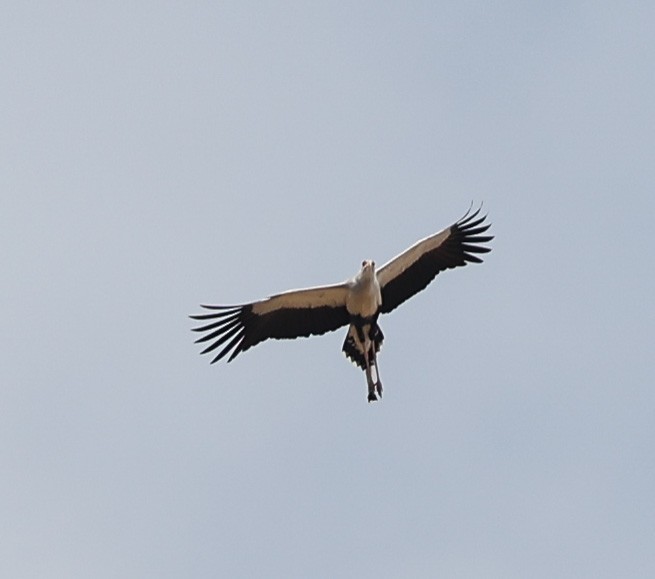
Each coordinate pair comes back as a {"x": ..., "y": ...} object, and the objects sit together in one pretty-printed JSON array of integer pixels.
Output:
[{"x": 368, "y": 267}]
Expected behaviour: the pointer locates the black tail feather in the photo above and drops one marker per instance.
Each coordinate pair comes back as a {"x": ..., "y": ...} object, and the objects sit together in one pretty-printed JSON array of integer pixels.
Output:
[{"x": 355, "y": 354}]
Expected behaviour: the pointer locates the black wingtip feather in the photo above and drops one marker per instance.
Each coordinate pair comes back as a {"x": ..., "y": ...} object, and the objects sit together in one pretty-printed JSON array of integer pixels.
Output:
[
  {"x": 217, "y": 324},
  {"x": 236, "y": 344}
]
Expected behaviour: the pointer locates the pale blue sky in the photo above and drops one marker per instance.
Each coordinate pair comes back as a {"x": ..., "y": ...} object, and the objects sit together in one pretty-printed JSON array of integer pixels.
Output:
[{"x": 157, "y": 155}]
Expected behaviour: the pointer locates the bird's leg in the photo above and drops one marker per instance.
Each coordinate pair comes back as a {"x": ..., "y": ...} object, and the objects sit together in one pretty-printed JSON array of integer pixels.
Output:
[
  {"x": 374, "y": 335},
  {"x": 378, "y": 384},
  {"x": 365, "y": 343},
  {"x": 369, "y": 379}
]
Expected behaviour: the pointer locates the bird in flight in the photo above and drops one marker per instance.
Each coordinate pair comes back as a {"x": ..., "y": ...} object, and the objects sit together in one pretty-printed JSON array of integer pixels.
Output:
[{"x": 356, "y": 303}]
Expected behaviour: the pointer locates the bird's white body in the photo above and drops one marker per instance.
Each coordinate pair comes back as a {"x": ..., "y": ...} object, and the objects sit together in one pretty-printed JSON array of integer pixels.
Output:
[
  {"x": 364, "y": 296},
  {"x": 357, "y": 302}
]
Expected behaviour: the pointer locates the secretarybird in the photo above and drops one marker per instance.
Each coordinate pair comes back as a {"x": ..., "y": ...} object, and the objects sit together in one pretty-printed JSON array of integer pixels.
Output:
[{"x": 357, "y": 302}]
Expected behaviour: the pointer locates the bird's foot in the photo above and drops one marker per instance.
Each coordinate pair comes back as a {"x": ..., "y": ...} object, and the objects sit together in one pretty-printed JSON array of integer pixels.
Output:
[
  {"x": 378, "y": 387},
  {"x": 371, "y": 396}
]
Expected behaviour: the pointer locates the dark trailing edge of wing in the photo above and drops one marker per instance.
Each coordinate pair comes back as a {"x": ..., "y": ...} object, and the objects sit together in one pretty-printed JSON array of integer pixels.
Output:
[
  {"x": 457, "y": 249},
  {"x": 239, "y": 328}
]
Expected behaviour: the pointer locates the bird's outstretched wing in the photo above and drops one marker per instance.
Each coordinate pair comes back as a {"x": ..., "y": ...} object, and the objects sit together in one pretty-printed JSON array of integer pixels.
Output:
[
  {"x": 288, "y": 315},
  {"x": 411, "y": 271}
]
